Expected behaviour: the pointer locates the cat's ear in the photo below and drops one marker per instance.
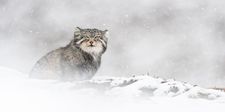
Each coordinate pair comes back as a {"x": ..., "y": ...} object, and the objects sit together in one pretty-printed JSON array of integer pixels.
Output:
[
  {"x": 104, "y": 32},
  {"x": 78, "y": 28},
  {"x": 77, "y": 32}
]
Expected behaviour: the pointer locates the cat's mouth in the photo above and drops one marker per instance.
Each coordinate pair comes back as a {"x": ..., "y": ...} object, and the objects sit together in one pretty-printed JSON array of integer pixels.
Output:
[{"x": 91, "y": 45}]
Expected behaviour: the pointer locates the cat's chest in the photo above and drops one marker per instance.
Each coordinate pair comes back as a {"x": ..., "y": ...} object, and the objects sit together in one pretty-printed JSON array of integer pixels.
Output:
[{"x": 82, "y": 61}]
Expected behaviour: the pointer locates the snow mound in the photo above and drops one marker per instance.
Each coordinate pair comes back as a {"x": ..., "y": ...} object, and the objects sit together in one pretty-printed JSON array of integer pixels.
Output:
[
  {"x": 135, "y": 86},
  {"x": 148, "y": 86}
]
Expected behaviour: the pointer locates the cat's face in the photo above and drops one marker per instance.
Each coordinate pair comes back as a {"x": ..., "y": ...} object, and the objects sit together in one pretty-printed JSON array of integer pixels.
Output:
[{"x": 92, "y": 41}]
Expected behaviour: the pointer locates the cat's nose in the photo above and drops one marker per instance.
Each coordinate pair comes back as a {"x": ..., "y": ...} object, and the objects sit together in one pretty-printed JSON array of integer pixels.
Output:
[{"x": 91, "y": 42}]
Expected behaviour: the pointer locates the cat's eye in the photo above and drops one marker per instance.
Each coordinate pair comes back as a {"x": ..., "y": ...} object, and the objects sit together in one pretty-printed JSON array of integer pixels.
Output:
[
  {"x": 97, "y": 36},
  {"x": 86, "y": 37}
]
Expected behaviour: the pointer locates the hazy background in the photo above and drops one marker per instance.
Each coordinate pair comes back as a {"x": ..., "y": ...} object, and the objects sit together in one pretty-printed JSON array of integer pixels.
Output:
[{"x": 180, "y": 39}]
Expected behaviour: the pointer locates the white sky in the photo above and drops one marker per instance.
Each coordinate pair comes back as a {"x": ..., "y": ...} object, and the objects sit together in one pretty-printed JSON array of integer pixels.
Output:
[{"x": 177, "y": 39}]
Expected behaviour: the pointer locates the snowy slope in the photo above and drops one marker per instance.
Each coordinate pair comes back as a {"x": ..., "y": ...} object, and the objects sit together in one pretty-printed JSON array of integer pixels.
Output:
[
  {"x": 107, "y": 94},
  {"x": 153, "y": 86}
]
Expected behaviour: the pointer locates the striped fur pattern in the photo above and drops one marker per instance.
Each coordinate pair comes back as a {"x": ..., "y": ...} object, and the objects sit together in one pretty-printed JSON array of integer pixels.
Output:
[{"x": 79, "y": 60}]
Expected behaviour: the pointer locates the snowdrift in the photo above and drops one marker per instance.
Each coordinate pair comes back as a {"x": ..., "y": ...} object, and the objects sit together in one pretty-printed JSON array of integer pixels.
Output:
[
  {"x": 148, "y": 86},
  {"x": 19, "y": 93}
]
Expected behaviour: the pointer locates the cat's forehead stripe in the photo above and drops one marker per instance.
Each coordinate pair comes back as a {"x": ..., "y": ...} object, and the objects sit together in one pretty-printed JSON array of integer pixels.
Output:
[{"x": 92, "y": 32}]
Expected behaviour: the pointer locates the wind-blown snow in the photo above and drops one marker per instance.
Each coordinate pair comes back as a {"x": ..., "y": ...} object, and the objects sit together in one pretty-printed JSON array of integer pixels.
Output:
[
  {"x": 106, "y": 94},
  {"x": 182, "y": 39}
]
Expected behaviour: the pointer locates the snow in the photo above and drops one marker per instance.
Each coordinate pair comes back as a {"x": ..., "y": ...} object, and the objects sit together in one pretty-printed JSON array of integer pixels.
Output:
[{"x": 142, "y": 93}]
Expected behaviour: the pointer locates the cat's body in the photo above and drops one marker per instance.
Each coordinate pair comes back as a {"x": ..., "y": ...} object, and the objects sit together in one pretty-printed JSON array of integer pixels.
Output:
[{"x": 79, "y": 60}]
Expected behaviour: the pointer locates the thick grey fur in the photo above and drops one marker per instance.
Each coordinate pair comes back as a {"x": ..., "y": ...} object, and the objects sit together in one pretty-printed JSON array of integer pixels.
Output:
[{"x": 68, "y": 63}]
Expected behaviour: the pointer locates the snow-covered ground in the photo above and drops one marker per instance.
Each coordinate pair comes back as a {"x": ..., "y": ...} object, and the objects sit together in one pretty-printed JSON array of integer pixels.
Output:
[{"x": 143, "y": 93}]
